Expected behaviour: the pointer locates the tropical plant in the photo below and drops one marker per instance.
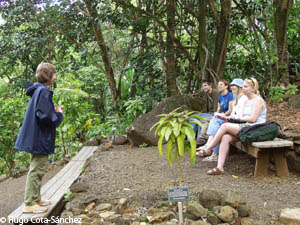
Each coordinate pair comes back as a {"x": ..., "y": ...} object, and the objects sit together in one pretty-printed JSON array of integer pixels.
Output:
[{"x": 175, "y": 127}]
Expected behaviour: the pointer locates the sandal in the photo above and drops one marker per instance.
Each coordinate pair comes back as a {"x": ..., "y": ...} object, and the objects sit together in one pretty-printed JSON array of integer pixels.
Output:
[
  {"x": 44, "y": 202},
  {"x": 35, "y": 209},
  {"x": 215, "y": 171},
  {"x": 203, "y": 147},
  {"x": 212, "y": 158},
  {"x": 203, "y": 153}
]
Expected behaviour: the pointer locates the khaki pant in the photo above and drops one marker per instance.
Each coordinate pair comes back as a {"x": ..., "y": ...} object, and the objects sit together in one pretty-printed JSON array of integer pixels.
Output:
[{"x": 38, "y": 167}]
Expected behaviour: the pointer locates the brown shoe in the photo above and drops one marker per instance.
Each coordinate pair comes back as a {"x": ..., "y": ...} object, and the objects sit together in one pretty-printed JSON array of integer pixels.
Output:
[{"x": 35, "y": 209}]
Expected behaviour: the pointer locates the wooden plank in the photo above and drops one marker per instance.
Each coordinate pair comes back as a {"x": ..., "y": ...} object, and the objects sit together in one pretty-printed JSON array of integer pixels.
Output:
[
  {"x": 71, "y": 171},
  {"x": 262, "y": 164},
  {"x": 59, "y": 176},
  {"x": 276, "y": 143},
  {"x": 280, "y": 163},
  {"x": 247, "y": 148}
]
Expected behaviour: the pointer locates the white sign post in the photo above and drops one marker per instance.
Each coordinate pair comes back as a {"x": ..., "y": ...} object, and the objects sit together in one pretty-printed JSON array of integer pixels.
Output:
[{"x": 179, "y": 194}]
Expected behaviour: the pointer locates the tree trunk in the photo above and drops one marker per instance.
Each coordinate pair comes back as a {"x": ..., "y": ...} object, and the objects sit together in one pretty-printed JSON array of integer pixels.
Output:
[
  {"x": 282, "y": 8},
  {"x": 172, "y": 88},
  {"x": 222, "y": 21},
  {"x": 202, "y": 47},
  {"x": 109, "y": 72}
]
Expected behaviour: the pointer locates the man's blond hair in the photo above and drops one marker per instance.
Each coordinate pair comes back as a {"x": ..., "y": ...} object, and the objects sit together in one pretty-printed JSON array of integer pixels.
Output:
[{"x": 45, "y": 72}]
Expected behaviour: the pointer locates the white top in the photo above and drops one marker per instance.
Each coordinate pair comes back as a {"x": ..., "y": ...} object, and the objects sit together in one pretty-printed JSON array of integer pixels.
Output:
[
  {"x": 237, "y": 111},
  {"x": 247, "y": 111}
]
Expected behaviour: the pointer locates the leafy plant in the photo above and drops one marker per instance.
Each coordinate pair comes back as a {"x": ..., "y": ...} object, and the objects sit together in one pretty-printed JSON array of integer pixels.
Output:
[
  {"x": 291, "y": 89},
  {"x": 175, "y": 127},
  {"x": 276, "y": 93}
]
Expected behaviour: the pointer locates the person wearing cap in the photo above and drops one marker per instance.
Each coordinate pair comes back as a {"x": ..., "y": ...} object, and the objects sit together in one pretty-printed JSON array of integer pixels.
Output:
[
  {"x": 238, "y": 101},
  {"x": 253, "y": 111}
]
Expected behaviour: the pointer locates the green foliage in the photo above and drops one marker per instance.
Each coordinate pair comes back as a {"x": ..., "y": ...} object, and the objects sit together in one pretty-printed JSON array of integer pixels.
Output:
[
  {"x": 68, "y": 195},
  {"x": 277, "y": 93},
  {"x": 175, "y": 127},
  {"x": 12, "y": 109},
  {"x": 135, "y": 106}
]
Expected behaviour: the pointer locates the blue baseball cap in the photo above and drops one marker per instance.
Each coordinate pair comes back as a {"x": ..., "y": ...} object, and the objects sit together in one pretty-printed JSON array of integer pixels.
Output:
[{"x": 238, "y": 82}]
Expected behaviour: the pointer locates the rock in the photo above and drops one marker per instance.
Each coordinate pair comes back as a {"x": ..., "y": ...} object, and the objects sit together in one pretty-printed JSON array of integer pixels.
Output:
[
  {"x": 79, "y": 187},
  {"x": 115, "y": 218},
  {"x": 105, "y": 147},
  {"x": 138, "y": 132},
  {"x": 161, "y": 217},
  {"x": 85, "y": 220},
  {"x": 152, "y": 211},
  {"x": 233, "y": 199},
  {"x": 92, "y": 142},
  {"x": 226, "y": 213},
  {"x": 103, "y": 207},
  {"x": 213, "y": 219},
  {"x": 243, "y": 210},
  {"x": 249, "y": 221},
  {"x": 199, "y": 222},
  {"x": 119, "y": 140},
  {"x": 290, "y": 216},
  {"x": 76, "y": 206},
  {"x": 210, "y": 198},
  {"x": 106, "y": 214},
  {"x": 195, "y": 211},
  {"x": 90, "y": 207},
  {"x": 122, "y": 205},
  {"x": 294, "y": 102},
  {"x": 293, "y": 160}
]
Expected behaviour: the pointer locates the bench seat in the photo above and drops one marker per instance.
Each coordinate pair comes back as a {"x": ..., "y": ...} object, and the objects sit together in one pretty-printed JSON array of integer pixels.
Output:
[{"x": 262, "y": 151}]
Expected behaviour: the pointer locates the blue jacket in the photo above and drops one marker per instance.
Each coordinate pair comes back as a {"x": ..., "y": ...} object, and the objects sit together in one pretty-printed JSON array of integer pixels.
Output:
[{"x": 37, "y": 135}]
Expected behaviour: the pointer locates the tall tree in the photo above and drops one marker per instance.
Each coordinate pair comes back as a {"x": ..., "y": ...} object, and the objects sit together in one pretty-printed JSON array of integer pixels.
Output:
[{"x": 281, "y": 14}]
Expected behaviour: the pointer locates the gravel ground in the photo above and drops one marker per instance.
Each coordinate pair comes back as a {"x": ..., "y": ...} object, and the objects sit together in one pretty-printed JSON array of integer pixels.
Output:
[{"x": 142, "y": 176}]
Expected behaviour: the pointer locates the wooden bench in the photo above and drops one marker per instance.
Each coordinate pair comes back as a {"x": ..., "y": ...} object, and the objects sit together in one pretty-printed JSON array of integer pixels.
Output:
[
  {"x": 55, "y": 188},
  {"x": 262, "y": 151}
]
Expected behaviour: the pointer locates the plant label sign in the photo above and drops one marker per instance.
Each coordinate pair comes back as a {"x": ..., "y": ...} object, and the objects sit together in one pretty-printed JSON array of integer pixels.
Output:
[{"x": 178, "y": 194}]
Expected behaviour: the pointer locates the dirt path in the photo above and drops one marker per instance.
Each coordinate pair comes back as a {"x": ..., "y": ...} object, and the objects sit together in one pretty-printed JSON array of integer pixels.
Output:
[
  {"x": 141, "y": 175},
  {"x": 12, "y": 191}
]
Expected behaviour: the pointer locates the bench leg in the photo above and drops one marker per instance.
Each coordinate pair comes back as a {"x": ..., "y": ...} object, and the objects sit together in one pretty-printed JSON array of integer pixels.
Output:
[
  {"x": 262, "y": 164},
  {"x": 280, "y": 163}
]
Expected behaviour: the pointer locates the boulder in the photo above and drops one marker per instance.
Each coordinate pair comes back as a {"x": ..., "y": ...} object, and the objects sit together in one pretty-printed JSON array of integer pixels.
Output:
[
  {"x": 233, "y": 199},
  {"x": 226, "y": 213},
  {"x": 294, "y": 102},
  {"x": 293, "y": 160},
  {"x": 210, "y": 198},
  {"x": 138, "y": 132},
  {"x": 119, "y": 140},
  {"x": 290, "y": 216},
  {"x": 195, "y": 211}
]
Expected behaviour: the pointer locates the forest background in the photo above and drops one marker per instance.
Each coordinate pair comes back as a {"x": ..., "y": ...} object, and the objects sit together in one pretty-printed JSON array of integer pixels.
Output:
[{"x": 116, "y": 59}]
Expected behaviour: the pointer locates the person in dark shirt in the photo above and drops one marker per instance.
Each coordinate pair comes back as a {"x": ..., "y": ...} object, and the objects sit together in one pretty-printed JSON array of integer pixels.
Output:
[
  {"x": 37, "y": 134},
  {"x": 211, "y": 101}
]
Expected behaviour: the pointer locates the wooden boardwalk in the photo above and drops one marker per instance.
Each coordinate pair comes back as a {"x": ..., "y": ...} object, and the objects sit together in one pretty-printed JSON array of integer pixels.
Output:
[{"x": 55, "y": 188}]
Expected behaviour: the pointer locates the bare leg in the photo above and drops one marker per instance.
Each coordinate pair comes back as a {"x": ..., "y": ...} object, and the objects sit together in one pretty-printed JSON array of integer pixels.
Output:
[
  {"x": 224, "y": 150},
  {"x": 226, "y": 128}
]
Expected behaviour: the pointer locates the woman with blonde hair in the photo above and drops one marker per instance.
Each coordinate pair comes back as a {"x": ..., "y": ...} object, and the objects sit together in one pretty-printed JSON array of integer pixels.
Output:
[
  {"x": 215, "y": 123},
  {"x": 253, "y": 111}
]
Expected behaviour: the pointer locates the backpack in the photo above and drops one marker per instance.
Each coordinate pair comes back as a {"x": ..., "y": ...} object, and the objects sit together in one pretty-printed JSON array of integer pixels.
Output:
[{"x": 259, "y": 132}]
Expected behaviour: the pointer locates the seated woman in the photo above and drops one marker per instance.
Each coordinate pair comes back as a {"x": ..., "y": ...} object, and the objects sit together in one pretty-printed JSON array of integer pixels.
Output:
[
  {"x": 215, "y": 123},
  {"x": 225, "y": 106},
  {"x": 254, "y": 111}
]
